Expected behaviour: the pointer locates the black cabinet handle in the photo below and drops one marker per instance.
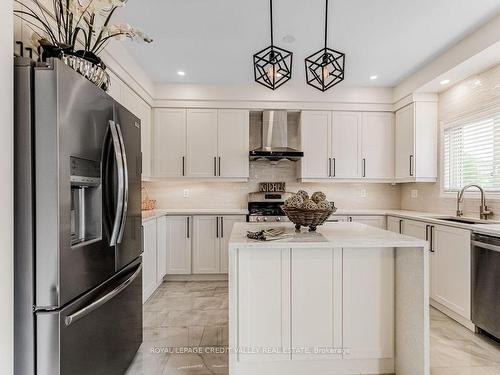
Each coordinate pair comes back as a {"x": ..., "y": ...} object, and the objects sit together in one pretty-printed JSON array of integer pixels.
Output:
[
  {"x": 431, "y": 247},
  {"x": 364, "y": 167},
  {"x": 400, "y": 226},
  {"x": 411, "y": 165},
  {"x": 334, "y": 167},
  {"x": 183, "y": 165},
  {"x": 329, "y": 167},
  {"x": 219, "y": 166},
  {"x": 215, "y": 166},
  {"x": 188, "y": 228},
  {"x": 222, "y": 227}
]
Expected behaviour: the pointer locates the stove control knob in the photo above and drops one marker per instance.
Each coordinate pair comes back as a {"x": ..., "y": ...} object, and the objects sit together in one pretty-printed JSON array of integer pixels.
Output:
[
  {"x": 265, "y": 219},
  {"x": 258, "y": 219},
  {"x": 278, "y": 218}
]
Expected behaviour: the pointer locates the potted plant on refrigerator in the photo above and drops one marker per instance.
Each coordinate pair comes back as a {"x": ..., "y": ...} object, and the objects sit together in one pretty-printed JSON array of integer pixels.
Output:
[{"x": 77, "y": 31}]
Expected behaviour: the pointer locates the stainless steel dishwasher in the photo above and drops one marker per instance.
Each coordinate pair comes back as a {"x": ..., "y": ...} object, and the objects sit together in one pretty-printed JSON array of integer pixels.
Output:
[{"x": 486, "y": 283}]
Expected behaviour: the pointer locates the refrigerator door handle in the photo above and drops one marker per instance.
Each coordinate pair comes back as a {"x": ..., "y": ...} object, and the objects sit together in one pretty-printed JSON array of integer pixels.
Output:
[
  {"x": 70, "y": 319},
  {"x": 125, "y": 179},
  {"x": 119, "y": 202}
]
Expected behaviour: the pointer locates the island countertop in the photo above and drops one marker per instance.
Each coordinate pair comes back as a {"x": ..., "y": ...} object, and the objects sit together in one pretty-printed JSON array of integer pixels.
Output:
[{"x": 329, "y": 235}]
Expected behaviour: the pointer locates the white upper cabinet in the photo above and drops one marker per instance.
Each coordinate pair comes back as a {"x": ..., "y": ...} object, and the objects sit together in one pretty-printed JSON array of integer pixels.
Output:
[
  {"x": 201, "y": 143},
  {"x": 416, "y": 143},
  {"x": 377, "y": 145},
  {"x": 315, "y": 133},
  {"x": 169, "y": 142},
  {"x": 135, "y": 104},
  {"x": 346, "y": 131},
  {"x": 347, "y": 145},
  {"x": 201, "y": 158},
  {"x": 233, "y": 143}
]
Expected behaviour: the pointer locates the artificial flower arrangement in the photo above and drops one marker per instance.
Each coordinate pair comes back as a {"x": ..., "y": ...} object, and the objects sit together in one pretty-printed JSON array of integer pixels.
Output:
[{"x": 77, "y": 31}]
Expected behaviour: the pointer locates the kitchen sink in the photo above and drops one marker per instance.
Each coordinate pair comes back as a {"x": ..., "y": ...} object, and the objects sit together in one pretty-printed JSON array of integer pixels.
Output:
[{"x": 464, "y": 220}]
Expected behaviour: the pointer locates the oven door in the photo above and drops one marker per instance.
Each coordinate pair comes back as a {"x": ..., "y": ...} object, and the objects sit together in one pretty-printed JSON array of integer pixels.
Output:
[
  {"x": 486, "y": 283},
  {"x": 98, "y": 334}
]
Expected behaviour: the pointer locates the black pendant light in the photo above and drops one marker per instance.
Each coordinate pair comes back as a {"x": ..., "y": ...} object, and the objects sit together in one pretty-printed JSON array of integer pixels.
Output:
[
  {"x": 325, "y": 68},
  {"x": 272, "y": 65}
]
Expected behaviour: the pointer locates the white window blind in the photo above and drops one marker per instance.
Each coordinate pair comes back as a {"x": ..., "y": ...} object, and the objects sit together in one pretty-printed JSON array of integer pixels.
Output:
[{"x": 472, "y": 154}]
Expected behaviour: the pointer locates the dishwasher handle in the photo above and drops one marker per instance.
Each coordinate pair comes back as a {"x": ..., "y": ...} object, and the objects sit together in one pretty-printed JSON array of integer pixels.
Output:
[{"x": 485, "y": 245}]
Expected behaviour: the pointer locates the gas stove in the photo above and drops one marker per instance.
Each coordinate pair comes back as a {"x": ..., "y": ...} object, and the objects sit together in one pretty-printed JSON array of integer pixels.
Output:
[{"x": 266, "y": 206}]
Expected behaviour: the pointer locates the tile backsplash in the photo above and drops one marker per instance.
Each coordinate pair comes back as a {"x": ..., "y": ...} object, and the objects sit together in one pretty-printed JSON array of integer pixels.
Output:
[{"x": 219, "y": 194}]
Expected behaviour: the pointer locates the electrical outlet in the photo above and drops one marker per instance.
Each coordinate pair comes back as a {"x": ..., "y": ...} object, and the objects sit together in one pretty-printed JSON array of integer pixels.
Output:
[
  {"x": 186, "y": 193},
  {"x": 414, "y": 194},
  {"x": 363, "y": 193}
]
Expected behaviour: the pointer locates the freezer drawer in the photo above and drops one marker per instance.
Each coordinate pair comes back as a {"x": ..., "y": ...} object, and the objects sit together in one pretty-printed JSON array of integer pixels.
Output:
[{"x": 98, "y": 334}]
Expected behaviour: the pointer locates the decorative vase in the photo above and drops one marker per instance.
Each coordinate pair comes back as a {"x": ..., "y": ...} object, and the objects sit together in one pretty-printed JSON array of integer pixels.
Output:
[{"x": 94, "y": 72}]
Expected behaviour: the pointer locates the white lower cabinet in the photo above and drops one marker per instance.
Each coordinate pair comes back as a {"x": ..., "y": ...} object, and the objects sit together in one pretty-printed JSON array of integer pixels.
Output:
[
  {"x": 450, "y": 263},
  {"x": 373, "y": 221},
  {"x": 149, "y": 259},
  {"x": 211, "y": 242},
  {"x": 206, "y": 244},
  {"x": 394, "y": 224},
  {"x": 179, "y": 230},
  {"x": 161, "y": 248},
  {"x": 451, "y": 269}
]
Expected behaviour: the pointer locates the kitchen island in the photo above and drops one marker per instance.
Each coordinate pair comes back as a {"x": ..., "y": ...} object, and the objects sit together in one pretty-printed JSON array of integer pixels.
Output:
[{"x": 347, "y": 299}]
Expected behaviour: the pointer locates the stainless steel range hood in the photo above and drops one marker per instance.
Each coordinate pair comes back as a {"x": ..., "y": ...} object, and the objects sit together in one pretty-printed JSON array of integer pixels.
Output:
[{"x": 275, "y": 139}]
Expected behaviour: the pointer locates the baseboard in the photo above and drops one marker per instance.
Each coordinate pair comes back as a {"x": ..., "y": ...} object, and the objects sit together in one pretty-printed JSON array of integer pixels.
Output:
[
  {"x": 453, "y": 315},
  {"x": 208, "y": 277}
]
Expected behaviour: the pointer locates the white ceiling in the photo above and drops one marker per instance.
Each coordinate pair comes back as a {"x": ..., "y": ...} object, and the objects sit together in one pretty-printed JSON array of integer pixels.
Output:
[{"x": 213, "y": 41}]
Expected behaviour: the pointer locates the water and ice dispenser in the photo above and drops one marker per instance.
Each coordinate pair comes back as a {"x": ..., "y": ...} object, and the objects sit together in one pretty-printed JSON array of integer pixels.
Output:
[{"x": 86, "y": 201}]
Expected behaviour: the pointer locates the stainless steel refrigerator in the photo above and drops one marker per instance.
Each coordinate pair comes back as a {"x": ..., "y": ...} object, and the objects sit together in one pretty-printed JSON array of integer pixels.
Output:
[{"x": 78, "y": 227}]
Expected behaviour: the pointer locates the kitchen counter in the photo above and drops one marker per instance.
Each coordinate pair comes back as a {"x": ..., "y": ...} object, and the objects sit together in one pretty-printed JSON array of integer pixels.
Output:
[
  {"x": 154, "y": 214},
  {"x": 329, "y": 235},
  {"x": 346, "y": 299}
]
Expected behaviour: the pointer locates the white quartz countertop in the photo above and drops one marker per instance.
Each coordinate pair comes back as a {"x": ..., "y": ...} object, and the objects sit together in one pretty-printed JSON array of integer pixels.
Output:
[
  {"x": 154, "y": 214},
  {"x": 329, "y": 235}
]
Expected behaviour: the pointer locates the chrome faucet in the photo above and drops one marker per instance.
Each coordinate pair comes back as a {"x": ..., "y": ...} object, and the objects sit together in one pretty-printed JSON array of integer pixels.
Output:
[{"x": 483, "y": 209}]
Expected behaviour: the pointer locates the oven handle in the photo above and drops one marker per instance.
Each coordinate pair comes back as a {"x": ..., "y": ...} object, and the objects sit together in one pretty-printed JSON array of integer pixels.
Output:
[
  {"x": 486, "y": 246},
  {"x": 70, "y": 319}
]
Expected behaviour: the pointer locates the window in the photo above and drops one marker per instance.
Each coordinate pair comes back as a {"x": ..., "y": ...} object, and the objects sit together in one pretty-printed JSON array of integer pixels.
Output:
[{"x": 472, "y": 154}]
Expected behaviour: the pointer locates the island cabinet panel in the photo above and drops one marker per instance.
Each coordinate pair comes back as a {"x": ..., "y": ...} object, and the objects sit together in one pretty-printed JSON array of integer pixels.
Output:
[
  {"x": 368, "y": 303},
  {"x": 149, "y": 259},
  {"x": 316, "y": 309},
  {"x": 263, "y": 309}
]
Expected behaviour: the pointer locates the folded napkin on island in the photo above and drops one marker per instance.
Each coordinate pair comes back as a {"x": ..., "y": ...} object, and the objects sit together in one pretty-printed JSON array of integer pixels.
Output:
[{"x": 270, "y": 234}]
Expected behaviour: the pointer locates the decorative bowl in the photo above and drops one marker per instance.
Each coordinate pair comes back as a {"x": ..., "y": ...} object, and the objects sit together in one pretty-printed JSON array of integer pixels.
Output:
[{"x": 307, "y": 218}]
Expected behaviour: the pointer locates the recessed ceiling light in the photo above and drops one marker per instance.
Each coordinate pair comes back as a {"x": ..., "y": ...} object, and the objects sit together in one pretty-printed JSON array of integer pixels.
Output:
[
  {"x": 374, "y": 77},
  {"x": 445, "y": 81},
  {"x": 288, "y": 39},
  {"x": 181, "y": 73}
]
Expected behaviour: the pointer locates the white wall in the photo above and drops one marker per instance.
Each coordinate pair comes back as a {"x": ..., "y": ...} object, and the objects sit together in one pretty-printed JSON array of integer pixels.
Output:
[
  {"x": 476, "y": 93},
  {"x": 169, "y": 194},
  {"x": 6, "y": 183}
]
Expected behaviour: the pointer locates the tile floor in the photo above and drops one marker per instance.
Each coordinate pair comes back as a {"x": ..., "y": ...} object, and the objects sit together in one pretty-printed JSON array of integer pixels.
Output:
[{"x": 194, "y": 314}]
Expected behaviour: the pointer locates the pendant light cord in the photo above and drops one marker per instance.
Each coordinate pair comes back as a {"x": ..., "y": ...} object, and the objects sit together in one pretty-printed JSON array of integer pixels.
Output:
[
  {"x": 271, "y": 16},
  {"x": 326, "y": 24}
]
